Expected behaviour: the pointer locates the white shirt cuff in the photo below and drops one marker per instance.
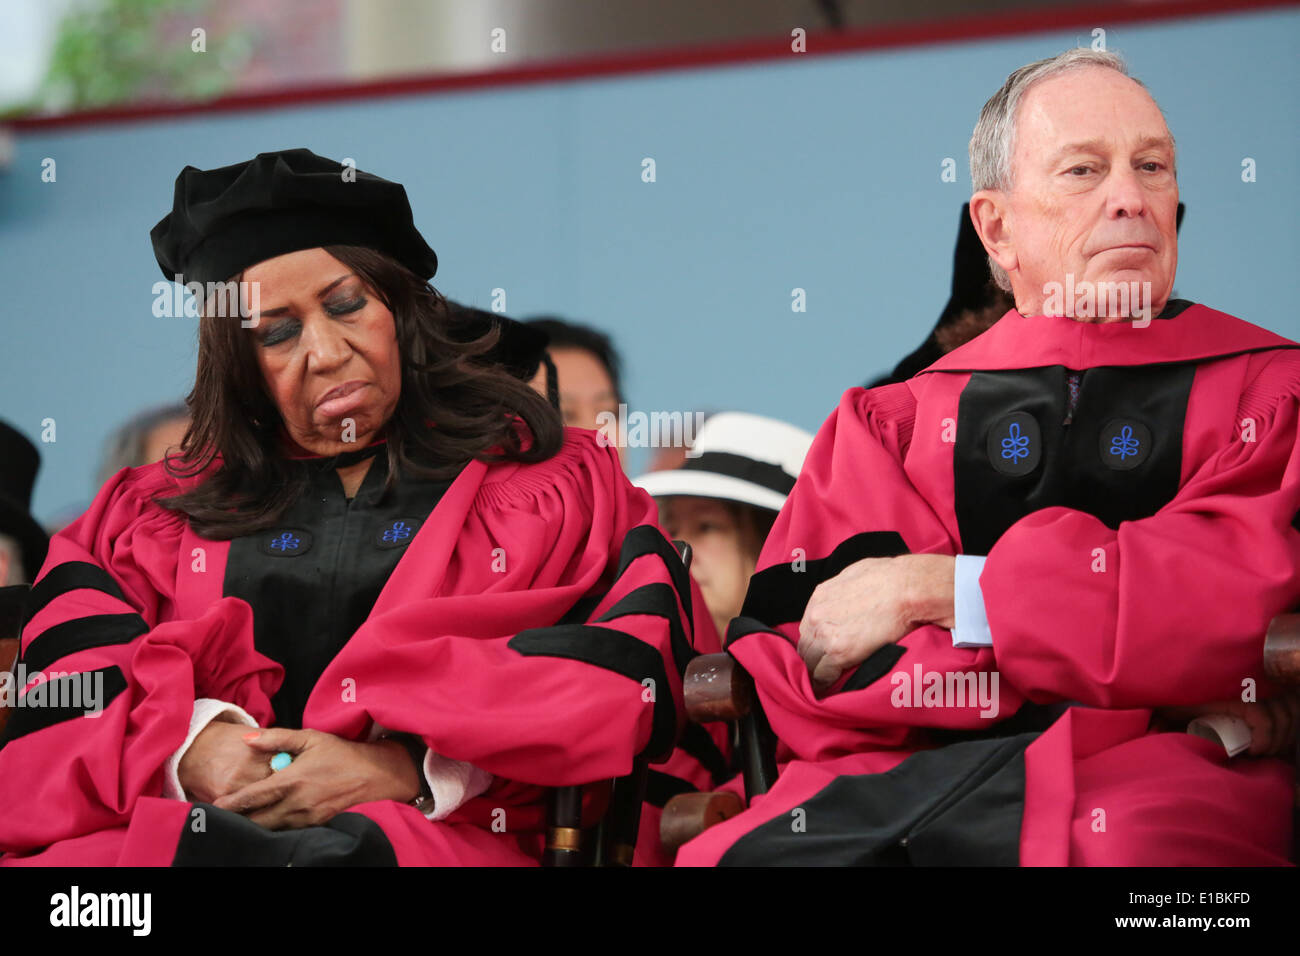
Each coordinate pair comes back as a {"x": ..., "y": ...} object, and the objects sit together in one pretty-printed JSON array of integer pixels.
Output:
[
  {"x": 453, "y": 782},
  {"x": 206, "y": 710},
  {"x": 1232, "y": 732},
  {"x": 972, "y": 622}
]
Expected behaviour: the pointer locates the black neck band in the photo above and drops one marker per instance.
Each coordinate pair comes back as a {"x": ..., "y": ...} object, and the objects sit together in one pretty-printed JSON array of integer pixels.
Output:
[{"x": 343, "y": 459}]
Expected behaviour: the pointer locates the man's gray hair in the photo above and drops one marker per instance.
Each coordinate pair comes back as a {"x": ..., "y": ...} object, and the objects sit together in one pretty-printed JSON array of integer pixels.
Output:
[{"x": 994, "y": 139}]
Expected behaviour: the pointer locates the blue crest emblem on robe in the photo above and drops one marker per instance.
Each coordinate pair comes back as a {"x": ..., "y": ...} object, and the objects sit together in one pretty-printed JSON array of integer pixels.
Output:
[
  {"x": 285, "y": 542},
  {"x": 1015, "y": 444},
  {"x": 1124, "y": 444},
  {"x": 397, "y": 533}
]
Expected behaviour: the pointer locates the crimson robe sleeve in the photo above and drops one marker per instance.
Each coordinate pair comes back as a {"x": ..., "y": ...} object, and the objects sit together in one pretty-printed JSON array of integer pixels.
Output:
[
  {"x": 110, "y": 677},
  {"x": 1169, "y": 610},
  {"x": 542, "y": 637},
  {"x": 537, "y": 627},
  {"x": 853, "y": 500}
]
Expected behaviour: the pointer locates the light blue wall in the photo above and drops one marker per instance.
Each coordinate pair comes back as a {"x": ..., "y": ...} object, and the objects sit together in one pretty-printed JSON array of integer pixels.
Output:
[{"x": 821, "y": 173}]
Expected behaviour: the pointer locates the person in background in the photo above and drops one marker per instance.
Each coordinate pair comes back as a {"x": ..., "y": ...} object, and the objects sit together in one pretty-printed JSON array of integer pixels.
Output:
[
  {"x": 669, "y": 456},
  {"x": 588, "y": 370},
  {"x": 144, "y": 439},
  {"x": 723, "y": 500},
  {"x": 521, "y": 349},
  {"x": 22, "y": 542},
  {"x": 974, "y": 305}
]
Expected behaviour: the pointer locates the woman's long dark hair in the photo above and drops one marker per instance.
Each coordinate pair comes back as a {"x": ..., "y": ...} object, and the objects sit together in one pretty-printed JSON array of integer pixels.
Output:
[{"x": 453, "y": 407}]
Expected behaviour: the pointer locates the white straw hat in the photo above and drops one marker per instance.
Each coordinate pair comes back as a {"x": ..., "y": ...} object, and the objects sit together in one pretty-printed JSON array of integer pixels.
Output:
[{"x": 737, "y": 457}]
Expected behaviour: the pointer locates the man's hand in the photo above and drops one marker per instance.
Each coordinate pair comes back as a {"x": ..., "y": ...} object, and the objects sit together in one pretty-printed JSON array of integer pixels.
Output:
[
  {"x": 218, "y": 762},
  {"x": 1273, "y": 723},
  {"x": 871, "y": 603},
  {"x": 328, "y": 775}
]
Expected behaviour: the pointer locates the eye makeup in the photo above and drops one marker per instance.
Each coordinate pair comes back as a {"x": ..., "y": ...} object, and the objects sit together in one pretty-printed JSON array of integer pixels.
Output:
[
  {"x": 276, "y": 332},
  {"x": 343, "y": 308}
]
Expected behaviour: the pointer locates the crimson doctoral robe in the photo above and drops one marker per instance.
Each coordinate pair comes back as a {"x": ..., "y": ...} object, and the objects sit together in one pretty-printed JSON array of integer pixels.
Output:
[
  {"x": 533, "y": 623},
  {"x": 1135, "y": 491}
]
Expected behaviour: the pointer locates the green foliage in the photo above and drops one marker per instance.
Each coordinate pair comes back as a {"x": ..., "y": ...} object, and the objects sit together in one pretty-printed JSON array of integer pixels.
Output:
[{"x": 112, "y": 52}]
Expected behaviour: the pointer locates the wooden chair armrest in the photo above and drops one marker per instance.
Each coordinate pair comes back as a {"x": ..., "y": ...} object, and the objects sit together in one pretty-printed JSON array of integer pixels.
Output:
[
  {"x": 687, "y": 815},
  {"x": 716, "y": 688},
  {"x": 1282, "y": 649}
]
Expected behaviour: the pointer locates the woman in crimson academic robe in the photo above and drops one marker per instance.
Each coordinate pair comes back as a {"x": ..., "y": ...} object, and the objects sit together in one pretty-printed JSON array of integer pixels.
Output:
[{"x": 378, "y": 604}]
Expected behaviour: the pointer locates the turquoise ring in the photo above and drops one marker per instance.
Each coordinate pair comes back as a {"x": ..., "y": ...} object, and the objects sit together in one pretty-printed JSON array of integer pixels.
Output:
[{"x": 281, "y": 760}]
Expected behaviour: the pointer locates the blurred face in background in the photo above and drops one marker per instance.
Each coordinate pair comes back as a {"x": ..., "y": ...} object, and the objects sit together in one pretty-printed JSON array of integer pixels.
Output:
[
  {"x": 164, "y": 438},
  {"x": 586, "y": 390},
  {"x": 725, "y": 540},
  {"x": 9, "y": 575}
]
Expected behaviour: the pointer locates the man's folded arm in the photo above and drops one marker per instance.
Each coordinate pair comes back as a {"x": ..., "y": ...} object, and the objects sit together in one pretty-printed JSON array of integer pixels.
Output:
[{"x": 1168, "y": 610}]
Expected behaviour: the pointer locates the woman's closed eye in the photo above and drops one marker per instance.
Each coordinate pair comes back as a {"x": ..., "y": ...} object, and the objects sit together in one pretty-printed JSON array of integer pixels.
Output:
[
  {"x": 280, "y": 331},
  {"x": 345, "y": 306},
  {"x": 275, "y": 332}
]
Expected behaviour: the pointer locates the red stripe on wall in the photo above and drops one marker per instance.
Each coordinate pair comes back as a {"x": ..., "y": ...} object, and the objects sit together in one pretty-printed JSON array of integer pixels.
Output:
[{"x": 952, "y": 30}]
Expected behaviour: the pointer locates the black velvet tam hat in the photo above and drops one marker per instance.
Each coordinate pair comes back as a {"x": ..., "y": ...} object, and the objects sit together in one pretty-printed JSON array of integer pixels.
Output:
[{"x": 227, "y": 219}]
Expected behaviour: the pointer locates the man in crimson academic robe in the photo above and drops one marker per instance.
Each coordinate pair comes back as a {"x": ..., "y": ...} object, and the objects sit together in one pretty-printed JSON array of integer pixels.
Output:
[{"x": 1001, "y": 589}]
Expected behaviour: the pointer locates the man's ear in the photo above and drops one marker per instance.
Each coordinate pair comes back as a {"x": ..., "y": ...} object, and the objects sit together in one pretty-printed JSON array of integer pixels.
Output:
[{"x": 989, "y": 215}]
